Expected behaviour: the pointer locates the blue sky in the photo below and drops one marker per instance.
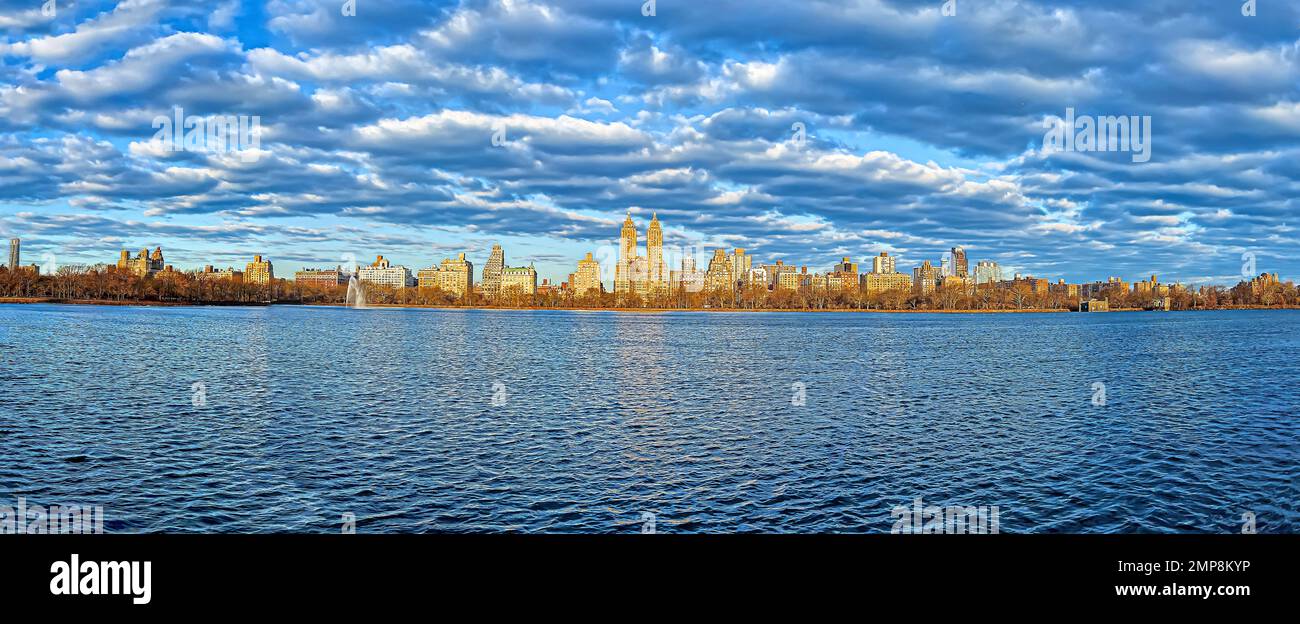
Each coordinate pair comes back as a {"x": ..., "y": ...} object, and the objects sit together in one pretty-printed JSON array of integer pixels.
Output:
[{"x": 923, "y": 131}]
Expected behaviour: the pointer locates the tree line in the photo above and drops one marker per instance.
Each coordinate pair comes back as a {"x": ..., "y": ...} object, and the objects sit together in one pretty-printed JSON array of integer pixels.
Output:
[{"x": 109, "y": 284}]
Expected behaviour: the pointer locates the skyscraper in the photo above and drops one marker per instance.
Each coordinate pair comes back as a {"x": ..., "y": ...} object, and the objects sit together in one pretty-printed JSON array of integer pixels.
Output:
[
  {"x": 654, "y": 242},
  {"x": 14, "y": 258},
  {"x": 884, "y": 263},
  {"x": 924, "y": 278},
  {"x": 960, "y": 268},
  {"x": 643, "y": 275},
  {"x": 987, "y": 271},
  {"x": 492, "y": 272}
]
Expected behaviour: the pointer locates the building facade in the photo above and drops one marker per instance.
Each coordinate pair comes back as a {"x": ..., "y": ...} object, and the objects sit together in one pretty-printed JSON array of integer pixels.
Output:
[
  {"x": 144, "y": 264},
  {"x": 925, "y": 278},
  {"x": 875, "y": 283},
  {"x": 689, "y": 279},
  {"x": 259, "y": 271},
  {"x": 492, "y": 272},
  {"x": 987, "y": 272},
  {"x": 884, "y": 263},
  {"x": 636, "y": 274},
  {"x": 456, "y": 276},
  {"x": 587, "y": 278},
  {"x": 228, "y": 273},
  {"x": 960, "y": 266},
  {"x": 15, "y": 258},
  {"x": 518, "y": 281},
  {"x": 321, "y": 277},
  {"x": 383, "y": 273}
]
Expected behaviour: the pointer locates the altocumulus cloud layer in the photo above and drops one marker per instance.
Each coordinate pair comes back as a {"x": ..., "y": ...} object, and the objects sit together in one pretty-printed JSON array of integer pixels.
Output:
[{"x": 923, "y": 131}]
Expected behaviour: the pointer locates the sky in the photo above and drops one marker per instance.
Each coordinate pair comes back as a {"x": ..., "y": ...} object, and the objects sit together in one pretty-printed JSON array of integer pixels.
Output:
[{"x": 800, "y": 130}]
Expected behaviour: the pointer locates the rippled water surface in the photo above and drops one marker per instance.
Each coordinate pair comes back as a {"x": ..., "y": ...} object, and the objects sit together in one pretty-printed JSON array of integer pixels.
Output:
[{"x": 311, "y": 413}]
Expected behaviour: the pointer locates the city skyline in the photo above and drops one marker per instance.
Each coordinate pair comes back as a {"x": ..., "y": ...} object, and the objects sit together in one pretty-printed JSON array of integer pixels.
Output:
[
  {"x": 627, "y": 271},
  {"x": 416, "y": 130}
]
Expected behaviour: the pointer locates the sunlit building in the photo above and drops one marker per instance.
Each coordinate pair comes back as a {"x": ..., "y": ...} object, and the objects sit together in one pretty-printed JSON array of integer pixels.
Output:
[
  {"x": 229, "y": 273},
  {"x": 790, "y": 280},
  {"x": 884, "y": 263},
  {"x": 636, "y": 274},
  {"x": 518, "y": 281},
  {"x": 492, "y": 272},
  {"x": 383, "y": 273},
  {"x": 689, "y": 279},
  {"x": 587, "y": 277},
  {"x": 15, "y": 257},
  {"x": 880, "y": 282},
  {"x": 321, "y": 277},
  {"x": 259, "y": 271},
  {"x": 455, "y": 276},
  {"x": 718, "y": 277},
  {"x": 774, "y": 272},
  {"x": 143, "y": 264},
  {"x": 925, "y": 278}
]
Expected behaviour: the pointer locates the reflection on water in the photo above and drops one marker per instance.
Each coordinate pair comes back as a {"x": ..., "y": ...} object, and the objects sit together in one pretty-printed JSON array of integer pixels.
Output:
[{"x": 387, "y": 414}]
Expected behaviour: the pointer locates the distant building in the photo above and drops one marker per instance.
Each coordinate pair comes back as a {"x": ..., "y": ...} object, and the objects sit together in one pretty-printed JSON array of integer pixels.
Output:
[
  {"x": 1263, "y": 283},
  {"x": 321, "y": 277},
  {"x": 492, "y": 272},
  {"x": 846, "y": 266},
  {"x": 884, "y": 263},
  {"x": 637, "y": 274},
  {"x": 259, "y": 271},
  {"x": 144, "y": 264},
  {"x": 718, "y": 277},
  {"x": 383, "y": 273},
  {"x": 925, "y": 278},
  {"x": 14, "y": 257},
  {"x": 1071, "y": 291},
  {"x": 1094, "y": 305},
  {"x": 1098, "y": 290},
  {"x": 774, "y": 272},
  {"x": 741, "y": 263},
  {"x": 587, "y": 277},
  {"x": 229, "y": 273},
  {"x": 987, "y": 272},
  {"x": 960, "y": 268},
  {"x": 518, "y": 281},
  {"x": 689, "y": 279},
  {"x": 880, "y": 282},
  {"x": 456, "y": 276},
  {"x": 790, "y": 280}
]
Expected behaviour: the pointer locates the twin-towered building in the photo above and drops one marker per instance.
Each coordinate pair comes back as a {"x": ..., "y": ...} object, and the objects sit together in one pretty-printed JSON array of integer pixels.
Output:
[
  {"x": 641, "y": 275},
  {"x": 143, "y": 264}
]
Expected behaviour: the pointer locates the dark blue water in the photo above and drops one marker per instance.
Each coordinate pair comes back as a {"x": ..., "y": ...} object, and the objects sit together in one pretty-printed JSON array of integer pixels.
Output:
[{"x": 308, "y": 414}]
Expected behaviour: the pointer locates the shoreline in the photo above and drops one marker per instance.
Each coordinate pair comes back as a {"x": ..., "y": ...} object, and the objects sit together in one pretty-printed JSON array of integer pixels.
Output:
[{"x": 175, "y": 304}]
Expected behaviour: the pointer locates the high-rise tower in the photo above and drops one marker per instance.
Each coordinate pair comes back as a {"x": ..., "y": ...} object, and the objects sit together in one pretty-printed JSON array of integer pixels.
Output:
[
  {"x": 14, "y": 258},
  {"x": 492, "y": 272},
  {"x": 960, "y": 267},
  {"x": 654, "y": 238},
  {"x": 626, "y": 257}
]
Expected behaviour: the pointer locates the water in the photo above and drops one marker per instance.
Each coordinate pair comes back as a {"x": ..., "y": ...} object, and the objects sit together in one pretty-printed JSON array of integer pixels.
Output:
[{"x": 306, "y": 414}]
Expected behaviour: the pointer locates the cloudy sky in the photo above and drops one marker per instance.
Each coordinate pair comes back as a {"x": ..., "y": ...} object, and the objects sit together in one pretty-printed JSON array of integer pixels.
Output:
[{"x": 921, "y": 131}]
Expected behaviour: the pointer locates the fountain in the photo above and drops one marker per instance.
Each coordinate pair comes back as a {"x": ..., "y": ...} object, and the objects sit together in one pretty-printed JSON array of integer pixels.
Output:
[{"x": 357, "y": 300}]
